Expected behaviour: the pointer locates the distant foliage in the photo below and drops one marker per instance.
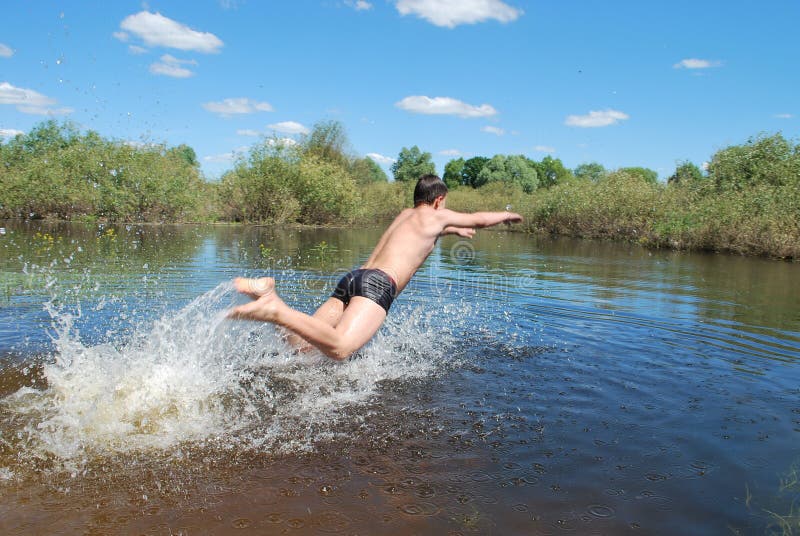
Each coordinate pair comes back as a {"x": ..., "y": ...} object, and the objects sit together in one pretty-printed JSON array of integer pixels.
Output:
[
  {"x": 312, "y": 182},
  {"x": 480, "y": 171},
  {"x": 411, "y": 164},
  {"x": 471, "y": 171},
  {"x": 453, "y": 173},
  {"x": 591, "y": 171},
  {"x": 686, "y": 173},
  {"x": 328, "y": 141},
  {"x": 747, "y": 203},
  {"x": 366, "y": 171},
  {"x": 752, "y": 217},
  {"x": 551, "y": 171},
  {"x": 510, "y": 170},
  {"x": 55, "y": 171},
  {"x": 645, "y": 174},
  {"x": 762, "y": 160}
]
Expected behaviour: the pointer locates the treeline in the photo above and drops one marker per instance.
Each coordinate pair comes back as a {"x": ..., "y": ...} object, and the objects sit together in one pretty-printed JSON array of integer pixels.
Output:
[
  {"x": 746, "y": 201},
  {"x": 56, "y": 171}
]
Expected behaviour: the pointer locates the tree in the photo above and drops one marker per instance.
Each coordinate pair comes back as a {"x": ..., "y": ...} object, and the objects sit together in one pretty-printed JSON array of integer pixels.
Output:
[
  {"x": 762, "y": 160},
  {"x": 685, "y": 173},
  {"x": 366, "y": 171},
  {"x": 412, "y": 164},
  {"x": 514, "y": 169},
  {"x": 590, "y": 171},
  {"x": 647, "y": 175},
  {"x": 452, "y": 173},
  {"x": 471, "y": 170},
  {"x": 186, "y": 153},
  {"x": 327, "y": 140},
  {"x": 551, "y": 171}
]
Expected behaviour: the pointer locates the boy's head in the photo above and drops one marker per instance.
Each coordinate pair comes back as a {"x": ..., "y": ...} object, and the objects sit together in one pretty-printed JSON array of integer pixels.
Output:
[{"x": 428, "y": 188}]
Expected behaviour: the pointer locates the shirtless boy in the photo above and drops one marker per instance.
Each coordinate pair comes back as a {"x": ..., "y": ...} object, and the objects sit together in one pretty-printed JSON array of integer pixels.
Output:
[{"x": 361, "y": 301}]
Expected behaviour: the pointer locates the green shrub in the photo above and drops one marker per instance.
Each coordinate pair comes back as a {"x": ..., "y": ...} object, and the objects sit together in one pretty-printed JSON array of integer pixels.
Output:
[{"x": 762, "y": 160}]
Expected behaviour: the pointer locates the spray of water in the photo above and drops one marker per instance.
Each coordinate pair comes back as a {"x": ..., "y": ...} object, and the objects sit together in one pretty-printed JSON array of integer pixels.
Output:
[{"x": 194, "y": 377}]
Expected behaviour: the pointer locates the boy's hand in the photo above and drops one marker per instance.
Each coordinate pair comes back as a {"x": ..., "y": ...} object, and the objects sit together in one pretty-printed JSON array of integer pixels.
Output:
[
  {"x": 466, "y": 232},
  {"x": 513, "y": 217}
]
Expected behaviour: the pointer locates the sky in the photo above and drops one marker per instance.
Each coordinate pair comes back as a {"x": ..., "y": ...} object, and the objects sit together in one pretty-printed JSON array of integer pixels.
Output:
[{"x": 623, "y": 83}]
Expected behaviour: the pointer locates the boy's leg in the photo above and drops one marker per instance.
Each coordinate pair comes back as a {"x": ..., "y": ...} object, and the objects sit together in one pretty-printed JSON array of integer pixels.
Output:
[
  {"x": 329, "y": 312},
  {"x": 360, "y": 320}
]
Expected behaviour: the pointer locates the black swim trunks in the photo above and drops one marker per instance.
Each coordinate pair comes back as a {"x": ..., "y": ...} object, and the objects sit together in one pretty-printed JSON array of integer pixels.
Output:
[{"x": 370, "y": 283}]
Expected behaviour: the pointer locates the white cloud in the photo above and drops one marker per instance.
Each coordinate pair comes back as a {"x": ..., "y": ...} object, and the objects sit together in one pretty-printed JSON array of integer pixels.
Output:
[
  {"x": 29, "y": 101},
  {"x": 421, "y": 104},
  {"x": 602, "y": 118},
  {"x": 5, "y": 51},
  {"x": 497, "y": 131},
  {"x": 283, "y": 142},
  {"x": 544, "y": 149},
  {"x": 9, "y": 132},
  {"x": 157, "y": 30},
  {"x": 783, "y": 116},
  {"x": 237, "y": 106},
  {"x": 172, "y": 66},
  {"x": 451, "y": 152},
  {"x": 380, "y": 159},
  {"x": 226, "y": 157},
  {"x": 289, "y": 127},
  {"x": 358, "y": 5},
  {"x": 135, "y": 49},
  {"x": 247, "y": 132},
  {"x": 175, "y": 71},
  {"x": 451, "y": 13},
  {"x": 694, "y": 63},
  {"x": 121, "y": 36}
]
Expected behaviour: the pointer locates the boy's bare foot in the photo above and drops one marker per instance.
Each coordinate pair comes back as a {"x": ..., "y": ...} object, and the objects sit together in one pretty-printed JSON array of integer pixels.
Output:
[
  {"x": 266, "y": 300},
  {"x": 255, "y": 288}
]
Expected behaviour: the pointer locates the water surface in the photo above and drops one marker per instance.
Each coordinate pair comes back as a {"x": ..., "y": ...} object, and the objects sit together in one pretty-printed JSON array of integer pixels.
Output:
[{"x": 521, "y": 385}]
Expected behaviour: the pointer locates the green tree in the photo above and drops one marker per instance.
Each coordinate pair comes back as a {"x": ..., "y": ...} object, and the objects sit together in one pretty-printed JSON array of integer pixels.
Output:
[
  {"x": 763, "y": 160},
  {"x": 551, "y": 171},
  {"x": 411, "y": 164},
  {"x": 471, "y": 170},
  {"x": 685, "y": 173},
  {"x": 326, "y": 191},
  {"x": 592, "y": 171},
  {"x": 186, "y": 153},
  {"x": 366, "y": 171},
  {"x": 453, "y": 173},
  {"x": 645, "y": 174},
  {"x": 514, "y": 169},
  {"x": 327, "y": 140}
]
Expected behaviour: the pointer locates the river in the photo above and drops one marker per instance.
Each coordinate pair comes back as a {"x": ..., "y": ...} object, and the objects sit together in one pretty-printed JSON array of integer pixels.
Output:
[{"x": 521, "y": 385}]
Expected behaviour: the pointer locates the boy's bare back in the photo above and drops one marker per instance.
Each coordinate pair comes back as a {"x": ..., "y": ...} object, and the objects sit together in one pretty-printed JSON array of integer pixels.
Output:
[{"x": 412, "y": 235}]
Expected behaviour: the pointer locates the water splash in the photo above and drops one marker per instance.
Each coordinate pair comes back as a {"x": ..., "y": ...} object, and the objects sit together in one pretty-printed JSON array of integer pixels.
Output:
[{"x": 195, "y": 377}]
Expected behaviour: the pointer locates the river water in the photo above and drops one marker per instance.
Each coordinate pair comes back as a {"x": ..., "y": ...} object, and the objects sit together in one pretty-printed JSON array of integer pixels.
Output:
[{"x": 521, "y": 385}]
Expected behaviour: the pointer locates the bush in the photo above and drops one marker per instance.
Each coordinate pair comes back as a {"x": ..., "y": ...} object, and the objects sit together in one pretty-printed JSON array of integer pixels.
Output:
[
  {"x": 762, "y": 160},
  {"x": 54, "y": 171}
]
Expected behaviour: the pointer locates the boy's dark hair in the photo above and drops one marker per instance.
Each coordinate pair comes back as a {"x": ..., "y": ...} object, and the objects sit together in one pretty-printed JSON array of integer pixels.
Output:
[{"x": 428, "y": 188}]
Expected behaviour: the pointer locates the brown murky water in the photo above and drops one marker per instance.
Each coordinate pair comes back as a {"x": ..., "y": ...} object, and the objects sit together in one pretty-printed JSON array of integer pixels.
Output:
[{"x": 520, "y": 386}]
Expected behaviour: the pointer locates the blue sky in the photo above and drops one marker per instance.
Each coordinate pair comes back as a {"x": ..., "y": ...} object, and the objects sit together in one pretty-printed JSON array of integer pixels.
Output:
[{"x": 623, "y": 83}]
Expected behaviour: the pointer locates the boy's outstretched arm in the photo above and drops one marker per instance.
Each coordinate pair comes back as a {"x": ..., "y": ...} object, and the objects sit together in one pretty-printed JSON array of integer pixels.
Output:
[{"x": 477, "y": 219}]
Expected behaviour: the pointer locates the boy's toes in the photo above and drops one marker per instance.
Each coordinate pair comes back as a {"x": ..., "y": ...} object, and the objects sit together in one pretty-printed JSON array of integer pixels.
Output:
[{"x": 254, "y": 288}]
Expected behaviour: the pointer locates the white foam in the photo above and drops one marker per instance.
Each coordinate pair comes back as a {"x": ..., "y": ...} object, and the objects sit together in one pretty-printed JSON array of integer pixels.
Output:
[{"x": 195, "y": 376}]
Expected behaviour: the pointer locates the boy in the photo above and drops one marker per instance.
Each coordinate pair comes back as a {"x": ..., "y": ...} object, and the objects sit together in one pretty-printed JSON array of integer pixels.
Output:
[{"x": 361, "y": 301}]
